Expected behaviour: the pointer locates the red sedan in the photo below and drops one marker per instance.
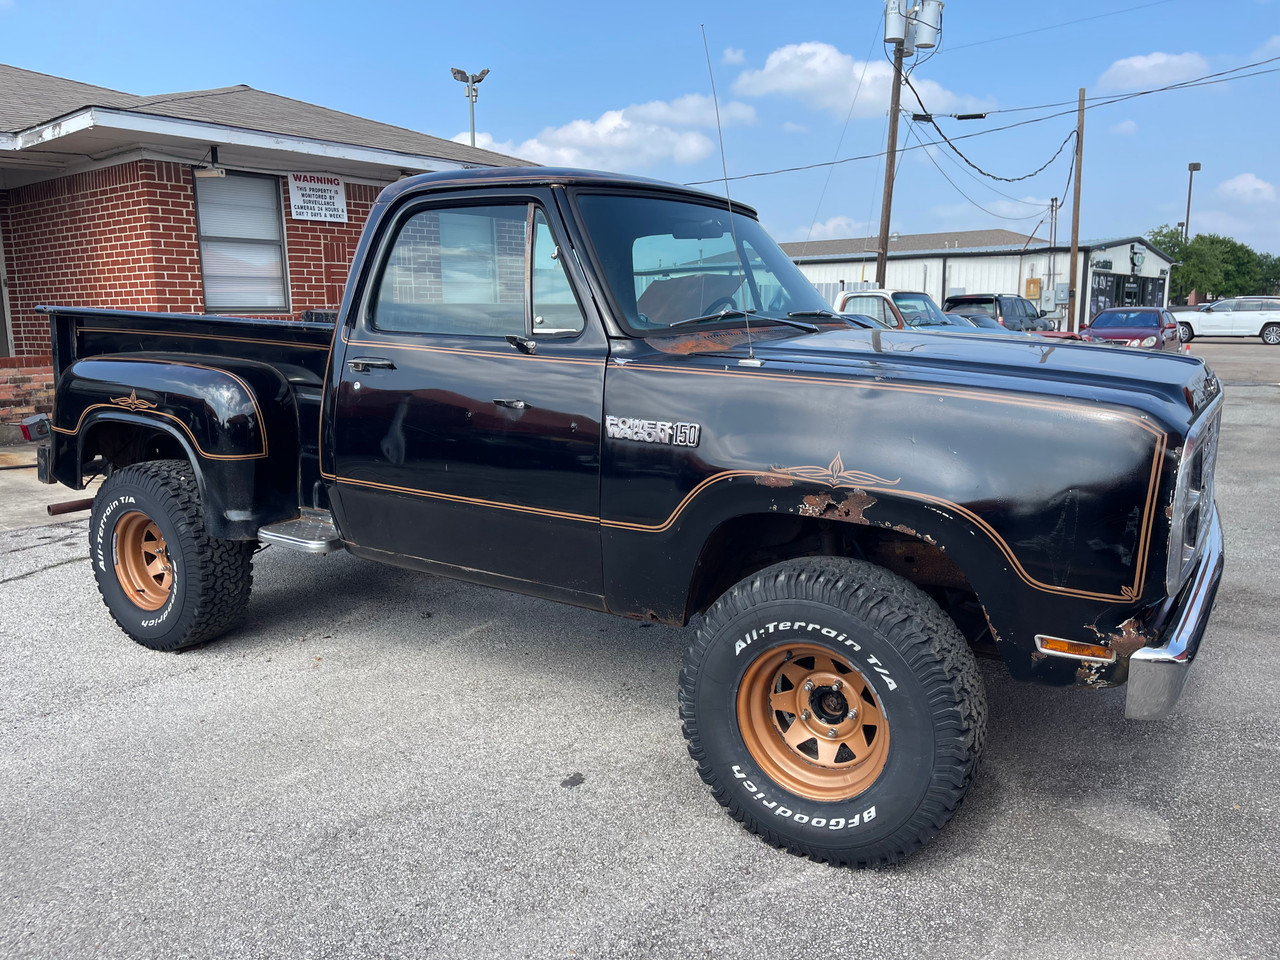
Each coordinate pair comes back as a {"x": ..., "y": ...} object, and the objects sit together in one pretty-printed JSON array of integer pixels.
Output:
[{"x": 1148, "y": 328}]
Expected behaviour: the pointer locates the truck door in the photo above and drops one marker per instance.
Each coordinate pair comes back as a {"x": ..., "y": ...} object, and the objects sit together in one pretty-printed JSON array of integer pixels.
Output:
[{"x": 467, "y": 419}]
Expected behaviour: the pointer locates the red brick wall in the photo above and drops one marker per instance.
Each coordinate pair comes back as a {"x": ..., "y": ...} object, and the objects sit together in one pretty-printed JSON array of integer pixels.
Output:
[
  {"x": 125, "y": 237},
  {"x": 319, "y": 253}
]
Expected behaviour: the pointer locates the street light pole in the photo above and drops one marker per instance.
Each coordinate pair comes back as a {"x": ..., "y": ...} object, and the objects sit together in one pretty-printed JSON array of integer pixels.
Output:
[
  {"x": 1191, "y": 175},
  {"x": 472, "y": 80}
]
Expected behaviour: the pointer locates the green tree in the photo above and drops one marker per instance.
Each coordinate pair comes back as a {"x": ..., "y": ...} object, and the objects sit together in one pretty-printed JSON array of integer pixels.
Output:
[
  {"x": 1268, "y": 273},
  {"x": 1169, "y": 240}
]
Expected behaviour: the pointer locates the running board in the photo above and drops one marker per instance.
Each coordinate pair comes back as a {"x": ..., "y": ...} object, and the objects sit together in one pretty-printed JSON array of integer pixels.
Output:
[{"x": 313, "y": 532}]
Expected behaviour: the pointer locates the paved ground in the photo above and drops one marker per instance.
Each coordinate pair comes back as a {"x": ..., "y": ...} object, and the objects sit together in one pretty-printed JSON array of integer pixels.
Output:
[{"x": 378, "y": 764}]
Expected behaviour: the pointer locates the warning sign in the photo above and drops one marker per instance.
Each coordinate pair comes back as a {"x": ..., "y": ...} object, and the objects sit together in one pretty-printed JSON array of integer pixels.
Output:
[{"x": 317, "y": 196}]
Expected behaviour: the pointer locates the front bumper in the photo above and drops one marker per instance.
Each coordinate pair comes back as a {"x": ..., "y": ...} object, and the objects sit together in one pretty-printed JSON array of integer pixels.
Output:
[{"x": 1158, "y": 674}]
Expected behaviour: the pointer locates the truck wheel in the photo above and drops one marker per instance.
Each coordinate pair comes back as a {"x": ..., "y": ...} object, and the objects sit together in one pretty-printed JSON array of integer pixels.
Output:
[
  {"x": 834, "y": 709},
  {"x": 166, "y": 582}
]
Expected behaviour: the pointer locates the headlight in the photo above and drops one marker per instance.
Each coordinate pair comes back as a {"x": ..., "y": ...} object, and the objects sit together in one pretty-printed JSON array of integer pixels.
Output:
[
  {"x": 1149, "y": 342},
  {"x": 1193, "y": 498},
  {"x": 1138, "y": 342}
]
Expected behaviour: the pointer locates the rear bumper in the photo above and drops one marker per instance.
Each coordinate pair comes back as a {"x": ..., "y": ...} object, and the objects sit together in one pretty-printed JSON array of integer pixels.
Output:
[{"x": 1158, "y": 674}]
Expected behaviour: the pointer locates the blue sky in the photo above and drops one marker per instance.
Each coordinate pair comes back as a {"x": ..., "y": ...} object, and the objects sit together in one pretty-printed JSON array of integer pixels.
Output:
[{"x": 625, "y": 87}]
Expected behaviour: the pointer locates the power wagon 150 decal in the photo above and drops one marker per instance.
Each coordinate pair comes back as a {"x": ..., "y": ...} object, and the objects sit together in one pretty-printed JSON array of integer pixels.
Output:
[{"x": 653, "y": 431}]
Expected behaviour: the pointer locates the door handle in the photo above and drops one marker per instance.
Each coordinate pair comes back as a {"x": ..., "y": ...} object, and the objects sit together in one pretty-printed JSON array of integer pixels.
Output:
[
  {"x": 365, "y": 364},
  {"x": 523, "y": 344},
  {"x": 512, "y": 404}
]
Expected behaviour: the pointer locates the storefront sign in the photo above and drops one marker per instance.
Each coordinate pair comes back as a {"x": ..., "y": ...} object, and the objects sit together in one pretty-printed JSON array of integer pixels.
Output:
[{"x": 317, "y": 196}]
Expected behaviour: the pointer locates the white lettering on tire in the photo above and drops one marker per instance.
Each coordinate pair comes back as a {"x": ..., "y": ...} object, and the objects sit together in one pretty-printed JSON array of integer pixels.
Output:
[
  {"x": 798, "y": 626},
  {"x": 834, "y": 823}
]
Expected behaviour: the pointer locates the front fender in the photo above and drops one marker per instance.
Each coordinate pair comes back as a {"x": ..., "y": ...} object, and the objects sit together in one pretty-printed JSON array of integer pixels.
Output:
[{"x": 236, "y": 421}]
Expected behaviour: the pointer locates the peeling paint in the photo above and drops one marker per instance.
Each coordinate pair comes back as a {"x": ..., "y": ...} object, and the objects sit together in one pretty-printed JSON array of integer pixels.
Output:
[
  {"x": 773, "y": 480},
  {"x": 1089, "y": 674},
  {"x": 1128, "y": 638},
  {"x": 850, "y": 510}
]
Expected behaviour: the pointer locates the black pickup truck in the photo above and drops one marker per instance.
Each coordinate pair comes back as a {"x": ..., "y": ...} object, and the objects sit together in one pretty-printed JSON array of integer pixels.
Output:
[{"x": 621, "y": 394}]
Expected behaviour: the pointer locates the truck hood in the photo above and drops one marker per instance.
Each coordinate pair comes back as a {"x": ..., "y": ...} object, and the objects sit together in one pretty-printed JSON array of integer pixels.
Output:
[{"x": 1028, "y": 364}]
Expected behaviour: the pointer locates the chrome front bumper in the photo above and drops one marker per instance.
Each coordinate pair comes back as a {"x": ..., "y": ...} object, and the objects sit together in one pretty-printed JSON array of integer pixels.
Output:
[{"x": 1158, "y": 674}]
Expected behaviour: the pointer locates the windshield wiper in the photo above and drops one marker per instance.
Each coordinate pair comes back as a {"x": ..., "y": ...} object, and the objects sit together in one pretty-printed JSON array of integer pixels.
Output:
[
  {"x": 745, "y": 314},
  {"x": 815, "y": 313},
  {"x": 722, "y": 315}
]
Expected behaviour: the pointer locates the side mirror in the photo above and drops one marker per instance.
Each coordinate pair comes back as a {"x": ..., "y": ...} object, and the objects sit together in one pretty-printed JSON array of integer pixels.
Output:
[{"x": 1044, "y": 313}]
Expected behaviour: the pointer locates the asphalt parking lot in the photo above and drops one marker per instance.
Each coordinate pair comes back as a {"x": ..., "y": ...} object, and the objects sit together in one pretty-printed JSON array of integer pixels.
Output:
[{"x": 387, "y": 764}]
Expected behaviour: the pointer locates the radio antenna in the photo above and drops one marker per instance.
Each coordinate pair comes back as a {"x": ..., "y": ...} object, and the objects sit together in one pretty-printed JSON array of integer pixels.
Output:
[{"x": 724, "y": 167}]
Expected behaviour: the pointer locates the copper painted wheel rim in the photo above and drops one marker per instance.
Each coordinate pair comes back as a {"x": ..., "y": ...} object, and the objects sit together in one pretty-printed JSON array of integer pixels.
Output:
[
  {"x": 142, "y": 561},
  {"x": 812, "y": 722}
]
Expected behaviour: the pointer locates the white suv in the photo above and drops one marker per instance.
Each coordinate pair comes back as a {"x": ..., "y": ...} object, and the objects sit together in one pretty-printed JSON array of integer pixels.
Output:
[{"x": 1238, "y": 317}]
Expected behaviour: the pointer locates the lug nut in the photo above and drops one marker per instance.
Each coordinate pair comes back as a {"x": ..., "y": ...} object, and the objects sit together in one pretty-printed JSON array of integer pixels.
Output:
[
  {"x": 832, "y": 733},
  {"x": 805, "y": 714},
  {"x": 808, "y": 686},
  {"x": 837, "y": 684},
  {"x": 852, "y": 714}
]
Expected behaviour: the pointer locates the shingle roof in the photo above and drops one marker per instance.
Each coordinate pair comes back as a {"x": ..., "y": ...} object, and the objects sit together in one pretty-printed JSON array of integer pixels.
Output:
[
  {"x": 31, "y": 98},
  {"x": 907, "y": 243}
]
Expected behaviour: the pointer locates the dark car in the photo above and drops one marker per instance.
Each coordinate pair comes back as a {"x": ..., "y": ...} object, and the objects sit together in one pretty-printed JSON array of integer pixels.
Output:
[
  {"x": 983, "y": 323},
  {"x": 1148, "y": 328},
  {"x": 1012, "y": 313}
]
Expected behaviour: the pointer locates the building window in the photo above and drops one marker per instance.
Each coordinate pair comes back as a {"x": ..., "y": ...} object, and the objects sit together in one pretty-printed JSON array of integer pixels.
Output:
[{"x": 241, "y": 243}]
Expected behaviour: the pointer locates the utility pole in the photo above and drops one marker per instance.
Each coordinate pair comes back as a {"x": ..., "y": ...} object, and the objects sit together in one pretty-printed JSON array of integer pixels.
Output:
[
  {"x": 908, "y": 30},
  {"x": 1053, "y": 242},
  {"x": 1073, "y": 294},
  {"x": 886, "y": 204}
]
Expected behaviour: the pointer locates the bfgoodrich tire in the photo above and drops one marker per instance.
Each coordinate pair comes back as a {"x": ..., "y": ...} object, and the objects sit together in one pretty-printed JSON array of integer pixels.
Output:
[
  {"x": 834, "y": 710},
  {"x": 166, "y": 582}
]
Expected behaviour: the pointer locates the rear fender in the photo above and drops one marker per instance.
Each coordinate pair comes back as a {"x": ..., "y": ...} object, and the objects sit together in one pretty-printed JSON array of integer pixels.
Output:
[{"x": 236, "y": 422}]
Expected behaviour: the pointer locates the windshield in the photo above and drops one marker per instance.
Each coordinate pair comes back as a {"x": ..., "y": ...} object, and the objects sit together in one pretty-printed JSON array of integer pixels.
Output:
[
  {"x": 985, "y": 307},
  {"x": 1125, "y": 318},
  {"x": 669, "y": 260},
  {"x": 919, "y": 310}
]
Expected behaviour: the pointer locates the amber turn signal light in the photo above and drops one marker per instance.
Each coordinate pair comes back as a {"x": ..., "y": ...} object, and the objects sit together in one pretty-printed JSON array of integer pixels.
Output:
[{"x": 1074, "y": 649}]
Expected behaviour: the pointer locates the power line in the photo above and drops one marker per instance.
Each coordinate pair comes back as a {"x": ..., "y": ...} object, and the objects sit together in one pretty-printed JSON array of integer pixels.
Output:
[
  {"x": 959, "y": 154},
  {"x": 1184, "y": 85},
  {"x": 1056, "y": 26},
  {"x": 1041, "y": 209}
]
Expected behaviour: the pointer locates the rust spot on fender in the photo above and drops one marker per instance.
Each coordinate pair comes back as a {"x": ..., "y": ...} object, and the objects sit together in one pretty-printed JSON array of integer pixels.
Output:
[
  {"x": 773, "y": 480},
  {"x": 849, "y": 510},
  {"x": 1128, "y": 638}
]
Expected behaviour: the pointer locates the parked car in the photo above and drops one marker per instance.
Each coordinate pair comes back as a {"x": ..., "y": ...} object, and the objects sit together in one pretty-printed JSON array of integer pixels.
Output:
[
  {"x": 985, "y": 324},
  {"x": 894, "y": 308},
  {"x": 1012, "y": 313},
  {"x": 1148, "y": 328},
  {"x": 1237, "y": 317}
]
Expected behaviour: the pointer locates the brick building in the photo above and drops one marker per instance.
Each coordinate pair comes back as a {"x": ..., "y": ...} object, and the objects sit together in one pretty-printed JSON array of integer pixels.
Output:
[{"x": 230, "y": 201}]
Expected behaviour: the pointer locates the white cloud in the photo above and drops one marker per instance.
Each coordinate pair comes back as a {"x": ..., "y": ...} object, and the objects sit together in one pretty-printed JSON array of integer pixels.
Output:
[
  {"x": 1247, "y": 188},
  {"x": 790, "y": 127},
  {"x": 733, "y": 56},
  {"x": 694, "y": 110},
  {"x": 632, "y": 138},
  {"x": 821, "y": 76},
  {"x": 834, "y": 228},
  {"x": 1152, "y": 70},
  {"x": 1269, "y": 49},
  {"x": 1125, "y": 128}
]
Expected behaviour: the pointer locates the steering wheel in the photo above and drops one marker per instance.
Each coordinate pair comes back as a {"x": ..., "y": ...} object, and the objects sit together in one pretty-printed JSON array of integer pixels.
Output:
[{"x": 722, "y": 303}]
